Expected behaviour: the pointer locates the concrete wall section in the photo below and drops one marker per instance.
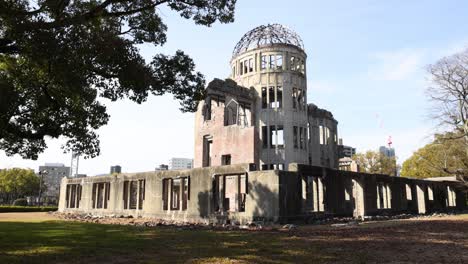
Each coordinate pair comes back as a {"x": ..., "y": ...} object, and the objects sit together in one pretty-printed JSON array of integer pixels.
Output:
[
  {"x": 241, "y": 194},
  {"x": 359, "y": 194}
]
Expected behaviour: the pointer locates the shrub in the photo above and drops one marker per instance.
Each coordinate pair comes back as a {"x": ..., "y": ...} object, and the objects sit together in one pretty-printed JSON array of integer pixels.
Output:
[
  {"x": 17, "y": 209},
  {"x": 20, "y": 202}
]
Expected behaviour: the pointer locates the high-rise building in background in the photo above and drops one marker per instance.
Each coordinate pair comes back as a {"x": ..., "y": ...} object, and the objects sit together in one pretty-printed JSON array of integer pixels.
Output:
[
  {"x": 115, "y": 169},
  {"x": 387, "y": 151},
  {"x": 51, "y": 174},
  {"x": 180, "y": 163},
  {"x": 345, "y": 151}
]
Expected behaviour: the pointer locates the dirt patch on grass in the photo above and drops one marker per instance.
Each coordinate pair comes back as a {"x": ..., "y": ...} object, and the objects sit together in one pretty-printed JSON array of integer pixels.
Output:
[
  {"x": 27, "y": 217},
  {"x": 417, "y": 240}
]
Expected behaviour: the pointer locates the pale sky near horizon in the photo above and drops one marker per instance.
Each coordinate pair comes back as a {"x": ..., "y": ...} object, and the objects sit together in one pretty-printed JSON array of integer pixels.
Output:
[{"x": 366, "y": 64}]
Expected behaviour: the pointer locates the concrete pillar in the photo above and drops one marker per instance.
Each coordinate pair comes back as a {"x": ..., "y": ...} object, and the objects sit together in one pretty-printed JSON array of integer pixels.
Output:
[
  {"x": 358, "y": 195},
  {"x": 420, "y": 199},
  {"x": 315, "y": 194},
  {"x": 389, "y": 197},
  {"x": 304, "y": 193},
  {"x": 138, "y": 197},
  {"x": 385, "y": 195},
  {"x": 320, "y": 195},
  {"x": 378, "y": 196}
]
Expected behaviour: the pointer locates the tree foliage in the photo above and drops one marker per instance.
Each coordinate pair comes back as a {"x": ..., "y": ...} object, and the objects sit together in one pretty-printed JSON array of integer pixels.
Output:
[
  {"x": 57, "y": 57},
  {"x": 18, "y": 183},
  {"x": 449, "y": 92},
  {"x": 445, "y": 156},
  {"x": 376, "y": 162}
]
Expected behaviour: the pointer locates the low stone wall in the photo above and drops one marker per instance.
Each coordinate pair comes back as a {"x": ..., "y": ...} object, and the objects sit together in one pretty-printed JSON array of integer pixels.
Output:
[
  {"x": 239, "y": 194},
  {"x": 194, "y": 200}
]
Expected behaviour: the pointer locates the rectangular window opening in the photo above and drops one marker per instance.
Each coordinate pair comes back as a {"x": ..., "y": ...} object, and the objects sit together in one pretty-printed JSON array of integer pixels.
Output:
[
  {"x": 272, "y": 62},
  {"x": 226, "y": 159},
  {"x": 321, "y": 135},
  {"x": 294, "y": 98},
  {"x": 271, "y": 94},
  {"x": 264, "y": 62},
  {"x": 207, "y": 146},
  {"x": 295, "y": 136},
  {"x": 279, "y": 96},
  {"x": 301, "y": 142},
  {"x": 264, "y": 97},
  {"x": 292, "y": 63},
  {"x": 408, "y": 193},
  {"x": 265, "y": 136},
  {"x": 279, "y": 62},
  {"x": 280, "y": 137},
  {"x": 175, "y": 194},
  {"x": 73, "y": 196},
  {"x": 231, "y": 191}
]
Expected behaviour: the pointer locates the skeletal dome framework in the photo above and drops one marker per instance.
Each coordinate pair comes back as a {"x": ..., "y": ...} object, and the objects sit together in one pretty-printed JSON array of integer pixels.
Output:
[{"x": 266, "y": 35}]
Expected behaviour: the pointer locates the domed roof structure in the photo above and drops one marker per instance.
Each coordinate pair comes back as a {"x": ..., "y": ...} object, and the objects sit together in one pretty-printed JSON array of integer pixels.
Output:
[{"x": 266, "y": 35}]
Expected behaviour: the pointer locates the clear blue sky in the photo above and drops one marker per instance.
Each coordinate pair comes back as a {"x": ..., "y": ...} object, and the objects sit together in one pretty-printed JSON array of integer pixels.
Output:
[{"x": 366, "y": 63}]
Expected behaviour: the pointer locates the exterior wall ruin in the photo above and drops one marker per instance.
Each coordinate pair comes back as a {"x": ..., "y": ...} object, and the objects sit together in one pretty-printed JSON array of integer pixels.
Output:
[
  {"x": 239, "y": 193},
  {"x": 217, "y": 136},
  {"x": 281, "y": 129}
]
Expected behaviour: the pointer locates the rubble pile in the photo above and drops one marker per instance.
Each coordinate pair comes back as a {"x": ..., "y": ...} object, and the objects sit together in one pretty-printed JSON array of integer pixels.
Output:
[{"x": 252, "y": 226}]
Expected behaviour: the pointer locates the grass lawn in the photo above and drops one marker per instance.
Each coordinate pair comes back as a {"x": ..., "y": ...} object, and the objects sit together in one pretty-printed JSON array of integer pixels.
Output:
[{"x": 75, "y": 242}]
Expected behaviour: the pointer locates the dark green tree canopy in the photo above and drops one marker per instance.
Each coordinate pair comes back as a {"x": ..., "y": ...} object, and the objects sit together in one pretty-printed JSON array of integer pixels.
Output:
[
  {"x": 18, "y": 183},
  {"x": 445, "y": 156},
  {"x": 376, "y": 162},
  {"x": 57, "y": 57}
]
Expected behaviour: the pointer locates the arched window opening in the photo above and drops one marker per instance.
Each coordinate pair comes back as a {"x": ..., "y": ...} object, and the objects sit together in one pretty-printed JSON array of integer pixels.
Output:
[{"x": 231, "y": 113}]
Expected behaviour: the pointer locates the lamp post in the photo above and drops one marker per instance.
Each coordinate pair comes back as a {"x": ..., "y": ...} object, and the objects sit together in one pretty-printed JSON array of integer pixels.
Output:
[{"x": 41, "y": 179}]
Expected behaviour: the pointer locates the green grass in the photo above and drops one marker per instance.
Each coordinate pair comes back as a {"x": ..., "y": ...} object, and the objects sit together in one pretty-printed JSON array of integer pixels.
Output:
[
  {"x": 18, "y": 209},
  {"x": 73, "y": 242}
]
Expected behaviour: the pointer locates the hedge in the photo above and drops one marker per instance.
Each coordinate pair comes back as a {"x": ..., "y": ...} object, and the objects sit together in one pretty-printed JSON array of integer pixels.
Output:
[{"x": 14, "y": 209}]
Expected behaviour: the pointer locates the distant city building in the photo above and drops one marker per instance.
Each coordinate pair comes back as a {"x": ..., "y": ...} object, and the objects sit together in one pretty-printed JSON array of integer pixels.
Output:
[
  {"x": 347, "y": 164},
  {"x": 345, "y": 151},
  {"x": 180, "y": 164},
  {"x": 162, "y": 167},
  {"x": 387, "y": 151},
  {"x": 51, "y": 174},
  {"x": 115, "y": 169}
]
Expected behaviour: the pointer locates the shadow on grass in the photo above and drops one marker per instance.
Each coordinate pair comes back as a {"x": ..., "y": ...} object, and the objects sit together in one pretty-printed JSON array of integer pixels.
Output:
[
  {"x": 69, "y": 242},
  {"x": 55, "y": 241}
]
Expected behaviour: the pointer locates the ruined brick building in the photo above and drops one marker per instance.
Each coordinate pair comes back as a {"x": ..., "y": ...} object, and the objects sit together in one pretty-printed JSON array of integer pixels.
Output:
[
  {"x": 261, "y": 153},
  {"x": 261, "y": 115}
]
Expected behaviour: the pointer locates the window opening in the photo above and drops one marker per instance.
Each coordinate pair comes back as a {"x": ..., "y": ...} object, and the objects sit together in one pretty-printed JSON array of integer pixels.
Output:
[
  {"x": 264, "y": 97},
  {"x": 264, "y": 62},
  {"x": 294, "y": 98},
  {"x": 265, "y": 136},
  {"x": 226, "y": 159},
  {"x": 295, "y": 136},
  {"x": 271, "y": 94},
  {"x": 175, "y": 194},
  {"x": 231, "y": 113}
]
